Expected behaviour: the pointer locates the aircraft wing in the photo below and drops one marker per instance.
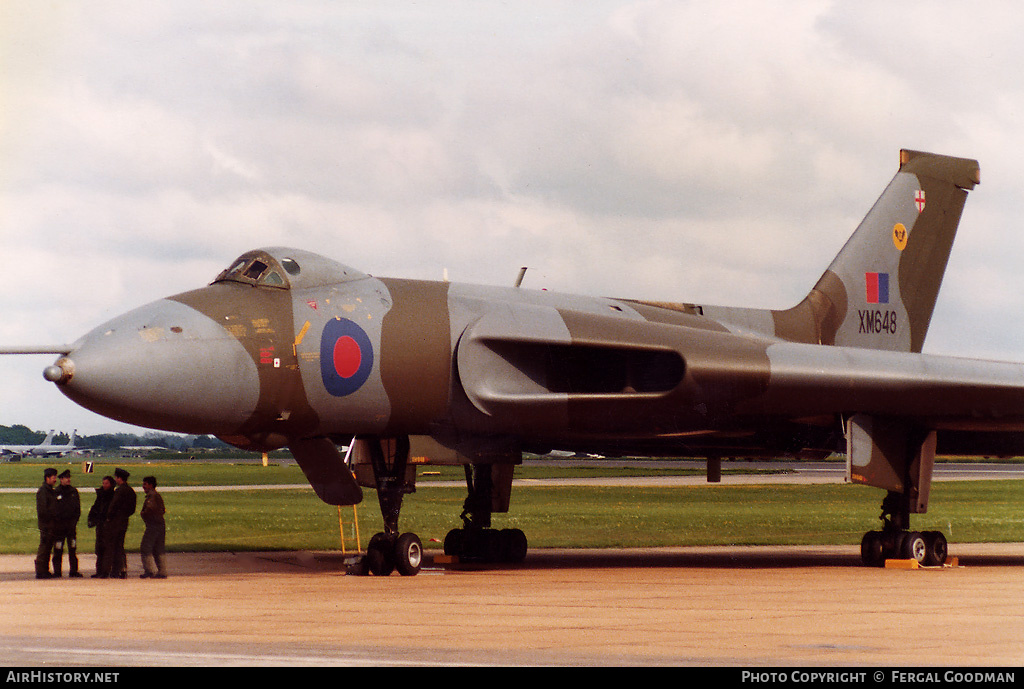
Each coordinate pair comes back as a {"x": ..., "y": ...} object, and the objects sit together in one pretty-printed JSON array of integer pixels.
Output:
[
  {"x": 539, "y": 367},
  {"x": 938, "y": 391}
]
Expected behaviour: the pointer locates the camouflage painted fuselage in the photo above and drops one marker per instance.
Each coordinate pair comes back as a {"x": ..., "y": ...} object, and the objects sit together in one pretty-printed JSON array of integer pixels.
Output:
[
  {"x": 288, "y": 347},
  {"x": 289, "y": 344}
]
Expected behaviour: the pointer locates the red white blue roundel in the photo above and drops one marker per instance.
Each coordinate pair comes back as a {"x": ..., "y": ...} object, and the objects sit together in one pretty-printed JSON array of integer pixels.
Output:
[{"x": 346, "y": 357}]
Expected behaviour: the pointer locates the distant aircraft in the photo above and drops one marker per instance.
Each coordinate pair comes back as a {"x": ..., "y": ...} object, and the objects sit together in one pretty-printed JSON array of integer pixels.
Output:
[
  {"x": 43, "y": 449},
  {"x": 288, "y": 348},
  {"x": 22, "y": 450}
]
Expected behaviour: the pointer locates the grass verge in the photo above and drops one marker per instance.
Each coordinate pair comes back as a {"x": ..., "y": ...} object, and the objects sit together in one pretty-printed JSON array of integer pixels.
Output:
[{"x": 551, "y": 516}]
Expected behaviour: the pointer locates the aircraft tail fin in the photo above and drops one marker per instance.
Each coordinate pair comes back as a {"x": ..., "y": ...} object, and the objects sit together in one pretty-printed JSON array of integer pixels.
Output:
[
  {"x": 880, "y": 291},
  {"x": 48, "y": 440}
]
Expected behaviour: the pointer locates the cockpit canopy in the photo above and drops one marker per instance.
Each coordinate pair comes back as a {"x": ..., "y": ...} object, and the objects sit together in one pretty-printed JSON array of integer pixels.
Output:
[
  {"x": 260, "y": 268},
  {"x": 284, "y": 268}
]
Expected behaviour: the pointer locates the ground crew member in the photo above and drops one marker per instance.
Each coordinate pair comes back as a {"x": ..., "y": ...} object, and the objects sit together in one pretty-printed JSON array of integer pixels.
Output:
[
  {"x": 98, "y": 519},
  {"x": 152, "y": 549},
  {"x": 69, "y": 509},
  {"x": 122, "y": 506},
  {"x": 46, "y": 515}
]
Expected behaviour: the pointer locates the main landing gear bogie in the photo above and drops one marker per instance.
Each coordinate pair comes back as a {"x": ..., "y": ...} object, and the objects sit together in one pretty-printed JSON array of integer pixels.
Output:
[
  {"x": 896, "y": 541},
  {"x": 928, "y": 548},
  {"x": 476, "y": 541}
]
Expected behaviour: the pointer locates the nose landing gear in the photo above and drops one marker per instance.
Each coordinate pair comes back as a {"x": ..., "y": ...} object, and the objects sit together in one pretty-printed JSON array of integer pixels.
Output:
[
  {"x": 385, "y": 554},
  {"x": 390, "y": 550}
]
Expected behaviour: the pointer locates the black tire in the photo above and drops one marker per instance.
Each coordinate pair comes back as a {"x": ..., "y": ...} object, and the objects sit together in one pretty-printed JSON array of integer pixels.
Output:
[
  {"x": 479, "y": 545},
  {"x": 375, "y": 563},
  {"x": 914, "y": 547},
  {"x": 408, "y": 554},
  {"x": 894, "y": 546},
  {"x": 513, "y": 545},
  {"x": 380, "y": 555},
  {"x": 453, "y": 543},
  {"x": 937, "y": 548},
  {"x": 872, "y": 549},
  {"x": 489, "y": 546}
]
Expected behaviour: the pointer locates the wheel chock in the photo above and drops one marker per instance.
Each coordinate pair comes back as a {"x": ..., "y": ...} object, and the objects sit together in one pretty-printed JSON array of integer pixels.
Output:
[
  {"x": 356, "y": 565},
  {"x": 914, "y": 564},
  {"x": 902, "y": 564},
  {"x": 446, "y": 559}
]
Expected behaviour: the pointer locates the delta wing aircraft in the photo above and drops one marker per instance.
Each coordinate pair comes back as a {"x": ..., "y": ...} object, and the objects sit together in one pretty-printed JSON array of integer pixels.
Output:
[{"x": 289, "y": 348}]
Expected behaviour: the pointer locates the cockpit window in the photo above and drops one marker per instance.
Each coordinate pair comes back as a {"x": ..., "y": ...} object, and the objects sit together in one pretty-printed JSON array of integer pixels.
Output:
[
  {"x": 272, "y": 278},
  {"x": 256, "y": 268},
  {"x": 291, "y": 266}
]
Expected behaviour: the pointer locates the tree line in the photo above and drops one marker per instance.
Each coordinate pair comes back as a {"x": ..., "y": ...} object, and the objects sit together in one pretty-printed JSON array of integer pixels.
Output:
[{"x": 22, "y": 435}]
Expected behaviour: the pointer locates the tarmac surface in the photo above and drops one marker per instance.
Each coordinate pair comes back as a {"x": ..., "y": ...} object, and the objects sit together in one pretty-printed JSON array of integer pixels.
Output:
[
  {"x": 777, "y": 606},
  {"x": 751, "y": 607}
]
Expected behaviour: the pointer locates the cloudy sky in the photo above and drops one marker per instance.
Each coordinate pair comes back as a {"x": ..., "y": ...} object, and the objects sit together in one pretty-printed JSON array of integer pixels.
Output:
[{"x": 718, "y": 152}]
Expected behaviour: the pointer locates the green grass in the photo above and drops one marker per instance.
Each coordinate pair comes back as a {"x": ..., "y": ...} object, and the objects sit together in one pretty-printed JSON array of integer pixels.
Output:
[
  {"x": 178, "y": 473},
  {"x": 168, "y": 473},
  {"x": 968, "y": 511}
]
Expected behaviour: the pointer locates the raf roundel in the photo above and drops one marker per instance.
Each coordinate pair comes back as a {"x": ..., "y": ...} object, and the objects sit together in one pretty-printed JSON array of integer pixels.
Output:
[{"x": 346, "y": 357}]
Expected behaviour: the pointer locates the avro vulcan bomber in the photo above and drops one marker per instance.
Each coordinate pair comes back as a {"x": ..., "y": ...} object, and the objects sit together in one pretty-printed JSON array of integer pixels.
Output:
[{"x": 287, "y": 348}]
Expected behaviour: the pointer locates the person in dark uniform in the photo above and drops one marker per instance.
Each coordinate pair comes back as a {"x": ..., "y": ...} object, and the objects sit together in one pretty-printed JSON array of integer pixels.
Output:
[
  {"x": 69, "y": 509},
  {"x": 122, "y": 506},
  {"x": 98, "y": 519},
  {"x": 152, "y": 549},
  {"x": 46, "y": 514}
]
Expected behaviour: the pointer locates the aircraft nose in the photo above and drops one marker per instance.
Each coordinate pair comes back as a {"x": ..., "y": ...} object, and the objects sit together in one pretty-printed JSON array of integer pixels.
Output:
[{"x": 164, "y": 365}]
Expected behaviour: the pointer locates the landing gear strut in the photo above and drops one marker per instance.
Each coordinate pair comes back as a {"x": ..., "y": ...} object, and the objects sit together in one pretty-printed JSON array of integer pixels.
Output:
[
  {"x": 897, "y": 541},
  {"x": 390, "y": 550},
  {"x": 477, "y": 541}
]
